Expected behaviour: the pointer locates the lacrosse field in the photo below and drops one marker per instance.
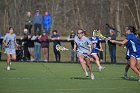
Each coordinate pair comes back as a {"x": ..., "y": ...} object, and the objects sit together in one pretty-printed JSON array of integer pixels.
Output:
[{"x": 31, "y": 77}]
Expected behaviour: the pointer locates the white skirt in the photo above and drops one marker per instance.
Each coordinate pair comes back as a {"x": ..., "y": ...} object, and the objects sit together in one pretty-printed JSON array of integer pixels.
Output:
[{"x": 10, "y": 51}]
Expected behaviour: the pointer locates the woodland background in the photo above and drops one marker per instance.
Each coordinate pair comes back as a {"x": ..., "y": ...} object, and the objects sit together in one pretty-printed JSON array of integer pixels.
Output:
[{"x": 71, "y": 15}]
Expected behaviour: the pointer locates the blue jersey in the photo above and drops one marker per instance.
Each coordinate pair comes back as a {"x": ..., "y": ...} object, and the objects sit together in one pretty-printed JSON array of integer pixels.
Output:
[
  {"x": 10, "y": 40},
  {"x": 132, "y": 44},
  {"x": 138, "y": 48},
  {"x": 82, "y": 44},
  {"x": 96, "y": 41},
  {"x": 127, "y": 54}
]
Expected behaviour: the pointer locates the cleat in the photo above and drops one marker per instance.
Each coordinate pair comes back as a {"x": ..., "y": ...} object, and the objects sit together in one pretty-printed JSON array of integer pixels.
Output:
[
  {"x": 101, "y": 68},
  {"x": 126, "y": 76},
  {"x": 92, "y": 77},
  {"x": 8, "y": 67}
]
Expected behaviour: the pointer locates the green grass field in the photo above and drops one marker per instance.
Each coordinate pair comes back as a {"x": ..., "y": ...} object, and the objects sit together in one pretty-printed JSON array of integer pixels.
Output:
[{"x": 64, "y": 78}]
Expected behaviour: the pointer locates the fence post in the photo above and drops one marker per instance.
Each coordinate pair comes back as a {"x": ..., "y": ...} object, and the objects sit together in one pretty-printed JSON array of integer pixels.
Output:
[{"x": 105, "y": 51}]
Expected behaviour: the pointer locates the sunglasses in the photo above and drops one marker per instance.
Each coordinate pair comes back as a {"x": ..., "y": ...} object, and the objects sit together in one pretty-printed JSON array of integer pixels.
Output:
[{"x": 80, "y": 33}]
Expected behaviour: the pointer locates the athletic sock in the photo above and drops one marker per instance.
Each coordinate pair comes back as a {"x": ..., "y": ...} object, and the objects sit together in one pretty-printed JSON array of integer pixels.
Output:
[{"x": 86, "y": 74}]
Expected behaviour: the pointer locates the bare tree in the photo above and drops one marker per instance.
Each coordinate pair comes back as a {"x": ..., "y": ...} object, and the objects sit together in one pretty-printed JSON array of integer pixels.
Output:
[{"x": 70, "y": 15}]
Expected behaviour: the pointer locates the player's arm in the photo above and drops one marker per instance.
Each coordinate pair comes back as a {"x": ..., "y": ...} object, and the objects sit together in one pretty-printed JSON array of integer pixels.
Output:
[
  {"x": 119, "y": 42},
  {"x": 4, "y": 42},
  {"x": 75, "y": 46},
  {"x": 101, "y": 48},
  {"x": 91, "y": 47}
]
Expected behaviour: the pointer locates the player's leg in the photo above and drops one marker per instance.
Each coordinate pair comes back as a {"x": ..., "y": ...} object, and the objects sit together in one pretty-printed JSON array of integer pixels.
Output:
[
  {"x": 90, "y": 67},
  {"x": 82, "y": 62},
  {"x": 126, "y": 71},
  {"x": 13, "y": 57},
  {"x": 8, "y": 61},
  {"x": 138, "y": 66},
  {"x": 133, "y": 62},
  {"x": 97, "y": 62}
]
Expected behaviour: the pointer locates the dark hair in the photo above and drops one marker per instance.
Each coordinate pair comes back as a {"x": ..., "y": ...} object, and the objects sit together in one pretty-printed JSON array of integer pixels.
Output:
[
  {"x": 54, "y": 31},
  {"x": 11, "y": 28},
  {"x": 132, "y": 29}
]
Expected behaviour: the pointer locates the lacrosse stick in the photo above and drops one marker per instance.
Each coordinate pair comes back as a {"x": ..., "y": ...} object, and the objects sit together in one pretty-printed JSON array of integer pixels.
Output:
[
  {"x": 61, "y": 48},
  {"x": 115, "y": 29},
  {"x": 99, "y": 34}
]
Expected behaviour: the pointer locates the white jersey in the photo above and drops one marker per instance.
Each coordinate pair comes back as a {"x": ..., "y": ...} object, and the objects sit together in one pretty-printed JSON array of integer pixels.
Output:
[
  {"x": 10, "y": 41},
  {"x": 82, "y": 44}
]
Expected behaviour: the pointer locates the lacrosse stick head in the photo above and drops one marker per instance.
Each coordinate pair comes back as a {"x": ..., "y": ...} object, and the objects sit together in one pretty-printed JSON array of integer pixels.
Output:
[
  {"x": 99, "y": 34},
  {"x": 60, "y": 48}
]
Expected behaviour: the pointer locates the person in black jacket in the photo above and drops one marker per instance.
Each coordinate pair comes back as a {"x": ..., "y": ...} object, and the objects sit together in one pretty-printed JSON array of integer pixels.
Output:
[
  {"x": 112, "y": 46},
  {"x": 30, "y": 43},
  {"x": 24, "y": 39},
  {"x": 55, "y": 37}
]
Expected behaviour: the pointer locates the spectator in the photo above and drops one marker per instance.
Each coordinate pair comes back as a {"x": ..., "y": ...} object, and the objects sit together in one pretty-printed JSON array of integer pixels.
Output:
[
  {"x": 71, "y": 39},
  {"x": 0, "y": 45},
  {"x": 45, "y": 45},
  {"x": 37, "y": 21},
  {"x": 26, "y": 55},
  {"x": 19, "y": 51},
  {"x": 31, "y": 47},
  {"x": 37, "y": 46},
  {"x": 56, "y": 37},
  {"x": 112, "y": 46},
  {"x": 47, "y": 22},
  {"x": 28, "y": 21}
]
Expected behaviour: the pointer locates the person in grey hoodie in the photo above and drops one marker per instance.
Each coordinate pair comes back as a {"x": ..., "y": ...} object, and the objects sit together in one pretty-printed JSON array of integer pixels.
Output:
[{"x": 37, "y": 21}]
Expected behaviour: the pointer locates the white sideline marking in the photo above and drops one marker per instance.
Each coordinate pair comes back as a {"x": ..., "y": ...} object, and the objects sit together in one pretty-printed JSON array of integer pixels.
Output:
[
  {"x": 78, "y": 89},
  {"x": 30, "y": 78}
]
